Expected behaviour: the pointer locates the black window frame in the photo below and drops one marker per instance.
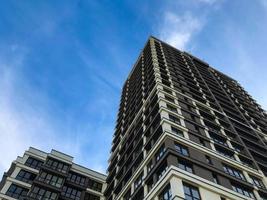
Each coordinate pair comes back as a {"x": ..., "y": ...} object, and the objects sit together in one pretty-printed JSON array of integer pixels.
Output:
[
  {"x": 185, "y": 165},
  {"x": 181, "y": 149},
  {"x": 33, "y": 163},
  {"x": 191, "y": 192},
  {"x": 51, "y": 179},
  {"x": 77, "y": 178},
  {"x": 166, "y": 193},
  {"x": 16, "y": 191},
  {"x": 40, "y": 193},
  {"x": 95, "y": 185},
  {"x": 242, "y": 190},
  {"x": 25, "y": 176},
  {"x": 71, "y": 193},
  {"x": 234, "y": 172},
  {"x": 57, "y": 165}
]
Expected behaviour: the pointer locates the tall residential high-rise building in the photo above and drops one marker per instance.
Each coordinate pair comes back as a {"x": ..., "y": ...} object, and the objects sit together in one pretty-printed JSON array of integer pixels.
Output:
[
  {"x": 38, "y": 175},
  {"x": 186, "y": 131}
]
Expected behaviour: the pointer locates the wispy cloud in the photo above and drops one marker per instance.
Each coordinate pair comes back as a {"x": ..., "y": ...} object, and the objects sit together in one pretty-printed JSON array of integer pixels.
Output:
[
  {"x": 26, "y": 119},
  {"x": 183, "y": 29},
  {"x": 178, "y": 30},
  {"x": 263, "y": 3},
  {"x": 182, "y": 21},
  {"x": 206, "y": 1},
  {"x": 246, "y": 65}
]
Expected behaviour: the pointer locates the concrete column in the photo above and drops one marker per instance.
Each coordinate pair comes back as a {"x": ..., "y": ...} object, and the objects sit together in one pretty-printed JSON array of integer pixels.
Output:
[
  {"x": 145, "y": 171},
  {"x": 257, "y": 195},
  {"x": 186, "y": 135},
  {"x": 179, "y": 111},
  {"x": 162, "y": 104},
  {"x": 172, "y": 160},
  {"x": 212, "y": 146},
  {"x": 247, "y": 177},
  {"x": 236, "y": 157},
  {"x": 166, "y": 127},
  {"x": 177, "y": 188},
  {"x": 6, "y": 186},
  {"x": 15, "y": 172},
  {"x": 132, "y": 187},
  {"x": 145, "y": 190},
  {"x": 229, "y": 143},
  {"x": 264, "y": 180},
  {"x": 208, "y": 195},
  {"x": 156, "y": 198},
  {"x": 182, "y": 122},
  {"x": 164, "y": 114}
]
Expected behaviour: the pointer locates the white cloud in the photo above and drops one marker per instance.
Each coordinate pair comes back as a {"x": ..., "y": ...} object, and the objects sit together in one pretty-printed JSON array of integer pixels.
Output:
[{"x": 179, "y": 30}]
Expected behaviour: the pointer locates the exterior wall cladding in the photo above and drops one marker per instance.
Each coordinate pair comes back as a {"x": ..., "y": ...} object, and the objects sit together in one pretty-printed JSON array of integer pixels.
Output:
[
  {"x": 186, "y": 131},
  {"x": 50, "y": 176}
]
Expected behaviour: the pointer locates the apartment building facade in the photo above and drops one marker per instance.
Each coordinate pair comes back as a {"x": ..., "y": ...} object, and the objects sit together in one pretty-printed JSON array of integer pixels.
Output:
[
  {"x": 186, "y": 131},
  {"x": 38, "y": 175}
]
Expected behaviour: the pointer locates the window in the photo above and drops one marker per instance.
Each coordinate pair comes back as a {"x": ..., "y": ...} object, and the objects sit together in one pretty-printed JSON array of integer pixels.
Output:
[
  {"x": 150, "y": 184},
  {"x": 177, "y": 131},
  {"x": 185, "y": 166},
  {"x": 25, "y": 176},
  {"x": 218, "y": 139},
  {"x": 39, "y": 193},
  {"x": 225, "y": 152},
  {"x": 71, "y": 193},
  {"x": 166, "y": 194},
  {"x": 76, "y": 178},
  {"x": 94, "y": 185},
  {"x": 236, "y": 147},
  {"x": 139, "y": 195},
  {"x": 174, "y": 119},
  {"x": 257, "y": 182},
  {"x": 33, "y": 163},
  {"x": 208, "y": 160},
  {"x": 50, "y": 179},
  {"x": 171, "y": 108},
  {"x": 57, "y": 165},
  {"x": 202, "y": 142},
  {"x": 150, "y": 166},
  {"x": 181, "y": 149},
  {"x": 242, "y": 190},
  {"x": 16, "y": 191},
  {"x": 161, "y": 171},
  {"x": 127, "y": 196},
  {"x": 263, "y": 195},
  {"x": 138, "y": 181},
  {"x": 191, "y": 192},
  {"x": 160, "y": 152},
  {"x": 168, "y": 98},
  {"x": 89, "y": 196},
  {"x": 167, "y": 90},
  {"x": 246, "y": 161},
  {"x": 215, "y": 178},
  {"x": 234, "y": 172}
]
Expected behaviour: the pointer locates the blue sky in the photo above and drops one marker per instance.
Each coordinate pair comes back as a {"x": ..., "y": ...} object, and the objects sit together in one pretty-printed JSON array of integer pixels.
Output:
[{"x": 63, "y": 63}]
